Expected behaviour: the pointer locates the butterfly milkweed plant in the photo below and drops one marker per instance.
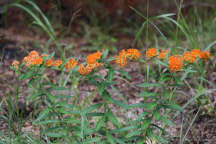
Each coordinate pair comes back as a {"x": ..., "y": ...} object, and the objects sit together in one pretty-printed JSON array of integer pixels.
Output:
[{"x": 62, "y": 114}]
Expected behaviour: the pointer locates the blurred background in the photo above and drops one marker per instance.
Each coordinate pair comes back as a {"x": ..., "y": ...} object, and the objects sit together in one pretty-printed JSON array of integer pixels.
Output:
[{"x": 113, "y": 24}]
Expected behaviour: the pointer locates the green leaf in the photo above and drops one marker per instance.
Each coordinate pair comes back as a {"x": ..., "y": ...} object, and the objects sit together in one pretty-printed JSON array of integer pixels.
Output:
[
  {"x": 150, "y": 85},
  {"x": 51, "y": 97},
  {"x": 105, "y": 53},
  {"x": 58, "y": 88},
  {"x": 124, "y": 74},
  {"x": 123, "y": 129},
  {"x": 119, "y": 103},
  {"x": 108, "y": 97},
  {"x": 156, "y": 114},
  {"x": 119, "y": 141},
  {"x": 113, "y": 119},
  {"x": 110, "y": 138},
  {"x": 162, "y": 63},
  {"x": 137, "y": 105},
  {"x": 93, "y": 114},
  {"x": 52, "y": 134},
  {"x": 101, "y": 88},
  {"x": 54, "y": 121},
  {"x": 210, "y": 45},
  {"x": 92, "y": 108},
  {"x": 91, "y": 140},
  {"x": 110, "y": 74},
  {"x": 173, "y": 106},
  {"x": 151, "y": 105},
  {"x": 146, "y": 123},
  {"x": 140, "y": 117},
  {"x": 33, "y": 96},
  {"x": 100, "y": 123},
  {"x": 161, "y": 140},
  {"x": 134, "y": 133},
  {"x": 42, "y": 115},
  {"x": 166, "y": 121},
  {"x": 26, "y": 75},
  {"x": 148, "y": 94}
]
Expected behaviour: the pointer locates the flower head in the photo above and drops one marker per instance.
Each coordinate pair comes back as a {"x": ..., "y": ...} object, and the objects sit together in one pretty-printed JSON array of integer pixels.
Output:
[
  {"x": 57, "y": 63},
  {"x": 204, "y": 55},
  {"x": 33, "y": 54},
  {"x": 151, "y": 52},
  {"x": 196, "y": 53},
  {"x": 32, "y": 59},
  {"x": 175, "y": 57},
  {"x": 121, "y": 59},
  {"x": 133, "y": 53},
  {"x": 15, "y": 64},
  {"x": 162, "y": 54},
  {"x": 189, "y": 57},
  {"x": 84, "y": 70},
  {"x": 92, "y": 58},
  {"x": 71, "y": 64},
  {"x": 175, "y": 63},
  {"x": 48, "y": 62}
]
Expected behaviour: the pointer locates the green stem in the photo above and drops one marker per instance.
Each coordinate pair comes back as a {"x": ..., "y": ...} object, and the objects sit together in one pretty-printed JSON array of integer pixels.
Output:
[{"x": 147, "y": 24}]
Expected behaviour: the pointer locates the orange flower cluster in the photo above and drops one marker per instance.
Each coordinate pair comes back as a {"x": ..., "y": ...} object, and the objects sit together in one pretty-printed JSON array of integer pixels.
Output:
[
  {"x": 92, "y": 58},
  {"x": 205, "y": 55},
  {"x": 92, "y": 63},
  {"x": 85, "y": 70},
  {"x": 32, "y": 59},
  {"x": 121, "y": 59},
  {"x": 133, "y": 54},
  {"x": 175, "y": 63},
  {"x": 151, "y": 52},
  {"x": 191, "y": 56},
  {"x": 57, "y": 63},
  {"x": 15, "y": 64},
  {"x": 162, "y": 54},
  {"x": 71, "y": 64}
]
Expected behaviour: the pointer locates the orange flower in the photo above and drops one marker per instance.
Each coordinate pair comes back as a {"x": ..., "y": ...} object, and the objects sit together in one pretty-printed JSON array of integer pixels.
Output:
[
  {"x": 188, "y": 57},
  {"x": 57, "y": 63},
  {"x": 33, "y": 54},
  {"x": 15, "y": 64},
  {"x": 49, "y": 62},
  {"x": 32, "y": 59},
  {"x": 204, "y": 55},
  {"x": 133, "y": 53},
  {"x": 121, "y": 59},
  {"x": 175, "y": 57},
  {"x": 175, "y": 63},
  {"x": 162, "y": 54},
  {"x": 92, "y": 58},
  {"x": 196, "y": 53},
  {"x": 84, "y": 70},
  {"x": 71, "y": 64},
  {"x": 151, "y": 52},
  {"x": 37, "y": 61}
]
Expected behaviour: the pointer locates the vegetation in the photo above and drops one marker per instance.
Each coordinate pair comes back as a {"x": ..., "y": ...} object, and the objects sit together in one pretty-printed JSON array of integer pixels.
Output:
[{"x": 174, "y": 52}]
